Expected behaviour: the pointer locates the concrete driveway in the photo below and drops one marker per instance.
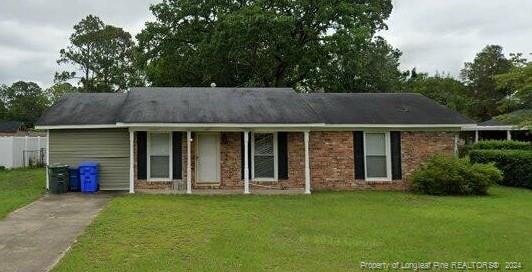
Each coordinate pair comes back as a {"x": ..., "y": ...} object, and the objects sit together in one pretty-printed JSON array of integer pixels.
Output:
[{"x": 35, "y": 237}]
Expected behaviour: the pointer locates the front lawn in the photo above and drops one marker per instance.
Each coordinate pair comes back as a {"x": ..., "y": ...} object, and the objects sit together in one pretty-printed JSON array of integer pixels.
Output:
[
  {"x": 323, "y": 232},
  {"x": 19, "y": 187}
]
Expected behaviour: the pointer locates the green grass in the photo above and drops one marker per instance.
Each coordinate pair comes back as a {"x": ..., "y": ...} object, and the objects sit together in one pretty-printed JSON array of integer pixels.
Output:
[
  {"x": 322, "y": 232},
  {"x": 19, "y": 187}
]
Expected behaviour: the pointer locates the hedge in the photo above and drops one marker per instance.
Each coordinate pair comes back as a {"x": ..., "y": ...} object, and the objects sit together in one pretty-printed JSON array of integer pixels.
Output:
[
  {"x": 494, "y": 144},
  {"x": 516, "y": 165},
  {"x": 451, "y": 176},
  {"x": 506, "y": 145}
]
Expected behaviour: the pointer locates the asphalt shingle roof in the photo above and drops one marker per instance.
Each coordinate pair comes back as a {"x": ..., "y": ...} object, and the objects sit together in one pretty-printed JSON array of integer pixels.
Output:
[
  {"x": 216, "y": 105},
  {"x": 247, "y": 106},
  {"x": 84, "y": 109},
  {"x": 10, "y": 126},
  {"x": 491, "y": 122},
  {"x": 381, "y": 108}
]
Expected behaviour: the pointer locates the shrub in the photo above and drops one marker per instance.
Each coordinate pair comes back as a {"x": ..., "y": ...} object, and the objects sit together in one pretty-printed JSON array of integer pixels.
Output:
[
  {"x": 516, "y": 165},
  {"x": 506, "y": 145},
  {"x": 451, "y": 176},
  {"x": 494, "y": 144}
]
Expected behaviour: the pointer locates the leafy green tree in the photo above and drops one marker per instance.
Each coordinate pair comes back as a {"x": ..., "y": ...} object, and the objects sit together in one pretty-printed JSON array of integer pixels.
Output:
[
  {"x": 522, "y": 118},
  {"x": 103, "y": 56},
  {"x": 309, "y": 45},
  {"x": 480, "y": 81},
  {"x": 519, "y": 103},
  {"x": 3, "y": 109},
  {"x": 59, "y": 89},
  {"x": 25, "y": 101},
  {"x": 518, "y": 81},
  {"x": 444, "y": 89}
]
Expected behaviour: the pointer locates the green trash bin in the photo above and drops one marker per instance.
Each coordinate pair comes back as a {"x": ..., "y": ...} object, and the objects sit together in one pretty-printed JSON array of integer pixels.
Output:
[{"x": 58, "y": 178}]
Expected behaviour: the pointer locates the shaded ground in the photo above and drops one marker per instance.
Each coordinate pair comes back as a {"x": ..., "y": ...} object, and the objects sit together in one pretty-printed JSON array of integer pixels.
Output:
[{"x": 322, "y": 232}]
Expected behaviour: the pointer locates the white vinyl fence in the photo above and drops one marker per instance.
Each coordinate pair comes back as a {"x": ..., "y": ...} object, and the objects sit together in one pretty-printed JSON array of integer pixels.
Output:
[{"x": 22, "y": 151}]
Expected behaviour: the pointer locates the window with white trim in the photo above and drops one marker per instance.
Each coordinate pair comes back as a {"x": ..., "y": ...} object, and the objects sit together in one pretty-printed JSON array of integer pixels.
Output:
[
  {"x": 159, "y": 156},
  {"x": 377, "y": 156},
  {"x": 264, "y": 156}
]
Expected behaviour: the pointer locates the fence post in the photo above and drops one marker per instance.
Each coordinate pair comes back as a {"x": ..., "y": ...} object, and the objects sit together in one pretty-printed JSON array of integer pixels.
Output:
[{"x": 24, "y": 151}]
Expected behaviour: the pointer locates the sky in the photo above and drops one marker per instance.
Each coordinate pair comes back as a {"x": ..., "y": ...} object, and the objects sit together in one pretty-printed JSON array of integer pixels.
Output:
[{"x": 434, "y": 35}]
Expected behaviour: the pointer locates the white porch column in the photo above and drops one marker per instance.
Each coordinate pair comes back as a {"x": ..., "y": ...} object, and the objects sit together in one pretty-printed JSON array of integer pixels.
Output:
[
  {"x": 25, "y": 152},
  {"x": 47, "y": 158},
  {"x": 246, "y": 162},
  {"x": 307, "y": 163},
  {"x": 508, "y": 135},
  {"x": 131, "y": 161},
  {"x": 476, "y": 136},
  {"x": 189, "y": 163},
  {"x": 456, "y": 145}
]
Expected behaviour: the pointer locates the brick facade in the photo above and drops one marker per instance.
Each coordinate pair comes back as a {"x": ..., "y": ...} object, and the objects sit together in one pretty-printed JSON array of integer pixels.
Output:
[
  {"x": 417, "y": 147},
  {"x": 332, "y": 161},
  {"x": 230, "y": 169}
]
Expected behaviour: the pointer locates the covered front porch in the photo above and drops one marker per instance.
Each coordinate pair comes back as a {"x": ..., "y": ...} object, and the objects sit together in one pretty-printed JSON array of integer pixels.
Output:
[{"x": 219, "y": 160}]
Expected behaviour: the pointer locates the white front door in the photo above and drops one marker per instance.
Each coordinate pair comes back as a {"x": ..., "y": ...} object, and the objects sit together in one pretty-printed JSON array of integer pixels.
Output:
[{"x": 207, "y": 158}]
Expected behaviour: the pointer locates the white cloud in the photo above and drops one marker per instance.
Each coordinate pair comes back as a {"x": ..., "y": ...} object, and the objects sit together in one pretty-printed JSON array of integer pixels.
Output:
[
  {"x": 433, "y": 35},
  {"x": 442, "y": 35},
  {"x": 33, "y": 32}
]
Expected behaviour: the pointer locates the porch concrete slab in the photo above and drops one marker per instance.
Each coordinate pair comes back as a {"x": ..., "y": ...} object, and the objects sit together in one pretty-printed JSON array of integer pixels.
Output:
[
  {"x": 226, "y": 192},
  {"x": 35, "y": 237}
]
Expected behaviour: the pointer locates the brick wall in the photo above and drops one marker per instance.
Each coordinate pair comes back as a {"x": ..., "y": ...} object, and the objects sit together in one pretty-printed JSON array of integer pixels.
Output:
[
  {"x": 230, "y": 169},
  {"x": 332, "y": 161},
  {"x": 296, "y": 160},
  {"x": 417, "y": 147}
]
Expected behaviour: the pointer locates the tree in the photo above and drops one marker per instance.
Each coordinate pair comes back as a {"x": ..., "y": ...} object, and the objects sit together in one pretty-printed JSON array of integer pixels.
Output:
[
  {"x": 3, "y": 109},
  {"x": 521, "y": 118},
  {"x": 479, "y": 79},
  {"x": 519, "y": 83},
  {"x": 25, "y": 101},
  {"x": 444, "y": 89},
  {"x": 57, "y": 90},
  {"x": 308, "y": 45},
  {"x": 103, "y": 56}
]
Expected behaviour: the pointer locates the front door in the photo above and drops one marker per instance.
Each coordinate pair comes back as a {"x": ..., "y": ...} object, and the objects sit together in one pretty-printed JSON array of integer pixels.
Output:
[{"x": 207, "y": 158}]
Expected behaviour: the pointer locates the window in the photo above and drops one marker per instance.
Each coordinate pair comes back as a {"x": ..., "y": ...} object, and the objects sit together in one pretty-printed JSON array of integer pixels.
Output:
[
  {"x": 264, "y": 158},
  {"x": 377, "y": 150},
  {"x": 159, "y": 160}
]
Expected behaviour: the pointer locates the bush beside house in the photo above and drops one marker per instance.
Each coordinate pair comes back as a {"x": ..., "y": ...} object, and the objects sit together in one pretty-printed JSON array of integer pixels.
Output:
[
  {"x": 516, "y": 165},
  {"x": 452, "y": 176},
  {"x": 495, "y": 144},
  {"x": 503, "y": 145}
]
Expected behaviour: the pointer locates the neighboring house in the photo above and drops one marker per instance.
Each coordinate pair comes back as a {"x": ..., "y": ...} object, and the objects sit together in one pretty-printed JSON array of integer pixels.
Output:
[
  {"x": 196, "y": 138},
  {"x": 495, "y": 130},
  {"x": 12, "y": 128}
]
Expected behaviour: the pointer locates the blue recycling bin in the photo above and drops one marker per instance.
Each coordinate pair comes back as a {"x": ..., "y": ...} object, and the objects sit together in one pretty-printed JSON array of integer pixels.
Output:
[
  {"x": 89, "y": 176},
  {"x": 73, "y": 179}
]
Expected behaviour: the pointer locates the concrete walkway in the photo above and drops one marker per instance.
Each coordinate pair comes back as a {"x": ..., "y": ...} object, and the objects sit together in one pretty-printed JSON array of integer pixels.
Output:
[{"x": 35, "y": 237}]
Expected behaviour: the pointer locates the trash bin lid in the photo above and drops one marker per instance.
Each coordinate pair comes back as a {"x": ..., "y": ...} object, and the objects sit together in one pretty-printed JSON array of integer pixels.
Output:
[
  {"x": 57, "y": 165},
  {"x": 89, "y": 163}
]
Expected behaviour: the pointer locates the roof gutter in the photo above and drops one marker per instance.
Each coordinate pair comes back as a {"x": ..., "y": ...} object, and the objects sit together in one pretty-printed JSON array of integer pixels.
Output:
[
  {"x": 256, "y": 125},
  {"x": 47, "y": 127},
  {"x": 218, "y": 125},
  {"x": 309, "y": 125},
  {"x": 495, "y": 128}
]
